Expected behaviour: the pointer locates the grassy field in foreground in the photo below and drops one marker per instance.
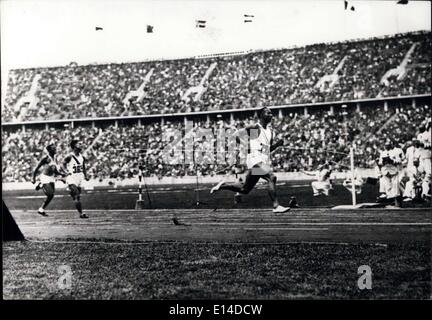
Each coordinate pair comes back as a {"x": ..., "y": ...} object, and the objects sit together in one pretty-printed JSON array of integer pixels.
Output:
[{"x": 215, "y": 271}]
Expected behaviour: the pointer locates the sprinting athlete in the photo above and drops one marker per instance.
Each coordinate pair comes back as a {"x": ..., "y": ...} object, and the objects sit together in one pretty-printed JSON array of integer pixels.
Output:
[
  {"x": 51, "y": 169},
  {"x": 258, "y": 160},
  {"x": 74, "y": 165}
]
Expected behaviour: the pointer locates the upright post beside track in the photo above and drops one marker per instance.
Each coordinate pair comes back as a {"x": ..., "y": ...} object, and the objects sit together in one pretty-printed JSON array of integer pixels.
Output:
[
  {"x": 140, "y": 202},
  {"x": 353, "y": 191}
]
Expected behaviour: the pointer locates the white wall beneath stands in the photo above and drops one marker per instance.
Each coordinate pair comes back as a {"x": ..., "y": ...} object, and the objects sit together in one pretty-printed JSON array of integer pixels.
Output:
[{"x": 282, "y": 176}]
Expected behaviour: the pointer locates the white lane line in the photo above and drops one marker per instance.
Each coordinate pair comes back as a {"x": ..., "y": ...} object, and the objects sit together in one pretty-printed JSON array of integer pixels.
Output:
[
  {"x": 90, "y": 192},
  {"x": 163, "y": 191},
  {"x": 213, "y": 223},
  {"x": 369, "y": 223},
  {"x": 136, "y": 192},
  {"x": 271, "y": 228},
  {"x": 322, "y": 223},
  {"x": 158, "y": 220},
  {"x": 39, "y": 197},
  {"x": 240, "y": 228},
  {"x": 95, "y": 223},
  {"x": 302, "y": 211}
]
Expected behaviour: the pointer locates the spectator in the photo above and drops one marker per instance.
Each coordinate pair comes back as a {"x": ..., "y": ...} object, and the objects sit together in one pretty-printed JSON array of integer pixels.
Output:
[{"x": 270, "y": 78}]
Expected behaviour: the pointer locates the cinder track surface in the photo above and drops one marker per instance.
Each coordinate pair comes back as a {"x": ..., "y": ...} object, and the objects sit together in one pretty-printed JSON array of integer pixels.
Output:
[{"x": 231, "y": 225}]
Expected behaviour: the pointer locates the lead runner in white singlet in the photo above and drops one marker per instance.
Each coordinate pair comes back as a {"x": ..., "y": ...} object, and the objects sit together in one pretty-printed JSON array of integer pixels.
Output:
[
  {"x": 47, "y": 178},
  {"x": 258, "y": 160}
]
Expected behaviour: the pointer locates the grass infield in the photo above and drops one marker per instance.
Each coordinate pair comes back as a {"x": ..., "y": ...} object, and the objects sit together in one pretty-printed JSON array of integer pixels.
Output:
[{"x": 188, "y": 270}]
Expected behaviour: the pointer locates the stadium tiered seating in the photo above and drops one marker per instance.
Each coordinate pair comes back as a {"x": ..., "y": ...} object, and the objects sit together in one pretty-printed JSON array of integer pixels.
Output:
[
  {"x": 315, "y": 73},
  {"x": 116, "y": 151}
]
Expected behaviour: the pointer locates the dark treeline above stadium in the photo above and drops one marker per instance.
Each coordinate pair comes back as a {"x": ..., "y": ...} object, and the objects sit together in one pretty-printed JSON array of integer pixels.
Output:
[{"x": 380, "y": 67}]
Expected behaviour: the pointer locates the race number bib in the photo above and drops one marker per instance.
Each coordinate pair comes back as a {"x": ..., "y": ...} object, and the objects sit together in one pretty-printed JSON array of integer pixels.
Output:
[{"x": 77, "y": 168}]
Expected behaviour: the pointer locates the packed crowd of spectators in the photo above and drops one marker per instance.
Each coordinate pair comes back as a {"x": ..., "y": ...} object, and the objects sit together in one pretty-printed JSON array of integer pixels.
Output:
[
  {"x": 19, "y": 83},
  {"x": 418, "y": 72},
  {"x": 259, "y": 78},
  {"x": 322, "y": 135},
  {"x": 405, "y": 124}
]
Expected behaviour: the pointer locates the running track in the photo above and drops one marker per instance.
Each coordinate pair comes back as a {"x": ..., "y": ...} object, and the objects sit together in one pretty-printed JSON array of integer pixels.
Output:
[{"x": 230, "y": 225}]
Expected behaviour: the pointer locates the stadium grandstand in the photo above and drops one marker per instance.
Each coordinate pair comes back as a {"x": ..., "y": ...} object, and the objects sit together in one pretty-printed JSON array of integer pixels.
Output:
[
  {"x": 381, "y": 67},
  {"x": 311, "y": 89}
]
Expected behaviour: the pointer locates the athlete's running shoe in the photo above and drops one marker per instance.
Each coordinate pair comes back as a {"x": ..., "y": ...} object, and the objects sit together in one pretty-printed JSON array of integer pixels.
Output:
[
  {"x": 217, "y": 187},
  {"x": 280, "y": 209},
  {"x": 42, "y": 212},
  {"x": 83, "y": 216}
]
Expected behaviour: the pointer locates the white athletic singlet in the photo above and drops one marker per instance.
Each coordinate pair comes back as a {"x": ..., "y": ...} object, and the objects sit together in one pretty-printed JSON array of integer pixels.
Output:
[
  {"x": 75, "y": 165},
  {"x": 75, "y": 170},
  {"x": 259, "y": 148},
  {"x": 52, "y": 161}
]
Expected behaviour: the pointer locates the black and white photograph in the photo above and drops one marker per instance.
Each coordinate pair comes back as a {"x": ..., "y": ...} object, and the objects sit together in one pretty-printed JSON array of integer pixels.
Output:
[{"x": 228, "y": 152}]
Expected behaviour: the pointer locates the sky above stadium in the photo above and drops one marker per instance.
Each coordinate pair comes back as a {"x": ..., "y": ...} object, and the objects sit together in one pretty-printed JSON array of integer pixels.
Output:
[{"x": 36, "y": 33}]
